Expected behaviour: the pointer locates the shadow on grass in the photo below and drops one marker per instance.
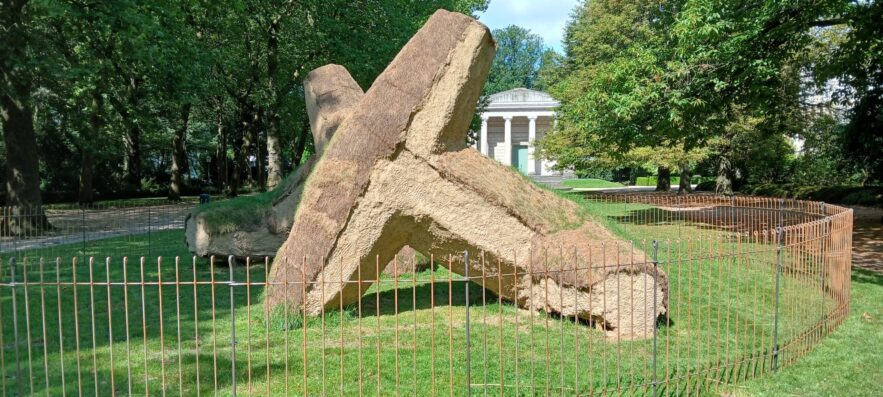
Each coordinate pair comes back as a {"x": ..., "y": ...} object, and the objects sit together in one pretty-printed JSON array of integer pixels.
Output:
[
  {"x": 867, "y": 277},
  {"x": 422, "y": 297}
]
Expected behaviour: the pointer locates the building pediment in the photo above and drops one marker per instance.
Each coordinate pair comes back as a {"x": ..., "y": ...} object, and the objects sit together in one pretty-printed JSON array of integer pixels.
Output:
[{"x": 521, "y": 98}]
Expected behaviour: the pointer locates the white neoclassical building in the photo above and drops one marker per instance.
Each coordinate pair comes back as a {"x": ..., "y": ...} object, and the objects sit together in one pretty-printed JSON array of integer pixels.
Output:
[{"x": 511, "y": 123}]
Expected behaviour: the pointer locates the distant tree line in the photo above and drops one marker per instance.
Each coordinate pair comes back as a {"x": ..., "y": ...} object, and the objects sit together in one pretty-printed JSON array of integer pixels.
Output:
[{"x": 119, "y": 98}]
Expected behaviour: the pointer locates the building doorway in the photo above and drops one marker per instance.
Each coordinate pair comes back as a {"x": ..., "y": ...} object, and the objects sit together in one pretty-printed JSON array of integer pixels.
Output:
[{"x": 519, "y": 158}]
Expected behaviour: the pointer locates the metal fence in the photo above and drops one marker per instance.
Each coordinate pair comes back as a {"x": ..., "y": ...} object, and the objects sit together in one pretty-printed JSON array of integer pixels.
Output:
[
  {"x": 753, "y": 285},
  {"x": 101, "y": 229}
]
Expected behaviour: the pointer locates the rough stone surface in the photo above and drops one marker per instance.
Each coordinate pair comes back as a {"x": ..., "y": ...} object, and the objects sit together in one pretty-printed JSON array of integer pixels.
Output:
[
  {"x": 330, "y": 94},
  {"x": 397, "y": 172}
]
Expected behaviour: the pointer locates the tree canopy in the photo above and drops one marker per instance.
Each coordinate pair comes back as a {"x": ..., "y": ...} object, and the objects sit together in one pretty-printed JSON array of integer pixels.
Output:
[
  {"x": 687, "y": 74},
  {"x": 104, "y": 99}
]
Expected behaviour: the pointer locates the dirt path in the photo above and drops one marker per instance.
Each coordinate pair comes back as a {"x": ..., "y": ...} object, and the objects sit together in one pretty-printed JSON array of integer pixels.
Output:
[{"x": 867, "y": 239}]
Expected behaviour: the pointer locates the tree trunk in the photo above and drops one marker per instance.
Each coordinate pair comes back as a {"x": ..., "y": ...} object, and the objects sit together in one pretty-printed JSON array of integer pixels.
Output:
[
  {"x": 663, "y": 181},
  {"x": 221, "y": 151},
  {"x": 274, "y": 149},
  {"x": 259, "y": 157},
  {"x": 684, "y": 186},
  {"x": 178, "y": 154},
  {"x": 724, "y": 176},
  {"x": 22, "y": 167},
  {"x": 240, "y": 154},
  {"x": 274, "y": 154},
  {"x": 246, "y": 150},
  {"x": 132, "y": 141},
  {"x": 131, "y": 133},
  {"x": 86, "y": 194}
]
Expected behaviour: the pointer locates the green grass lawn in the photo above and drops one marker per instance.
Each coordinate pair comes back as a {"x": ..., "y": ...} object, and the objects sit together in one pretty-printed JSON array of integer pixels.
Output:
[
  {"x": 178, "y": 337},
  {"x": 590, "y": 183}
]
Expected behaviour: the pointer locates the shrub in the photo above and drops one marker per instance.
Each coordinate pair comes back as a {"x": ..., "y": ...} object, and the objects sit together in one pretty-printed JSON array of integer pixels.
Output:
[
  {"x": 706, "y": 186},
  {"x": 848, "y": 195}
]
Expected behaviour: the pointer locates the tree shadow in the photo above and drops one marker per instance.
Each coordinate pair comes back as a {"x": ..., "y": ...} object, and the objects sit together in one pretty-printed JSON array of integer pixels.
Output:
[
  {"x": 867, "y": 277},
  {"x": 423, "y": 296}
]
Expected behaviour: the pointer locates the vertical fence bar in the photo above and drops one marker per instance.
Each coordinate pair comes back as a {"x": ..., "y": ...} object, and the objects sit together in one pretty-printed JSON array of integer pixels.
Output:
[
  {"x": 126, "y": 319},
  {"x": 780, "y": 233},
  {"x": 468, "y": 350},
  {"x": 60, "y": 328},
  {"x": 43, "y": 326},
  {"x": 196, "y": 326},
  {"x": 15, "y": 327},
  {"x": 83, "y": 228},
  {"x": 25, "y": 283},
  {"x": 655, "y": 283},
  {"x": 92, "y": 322},
  {"x": 230, "y": 262},
  {"x": 148, "y": 230}
]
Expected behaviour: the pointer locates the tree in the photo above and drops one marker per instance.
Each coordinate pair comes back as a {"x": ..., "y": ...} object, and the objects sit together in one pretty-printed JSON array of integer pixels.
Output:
[
  {"x": 165, "y": 97},
  {"x": 518, "y": 60},
  {"x": 551, "y": 70},
  {"x": 685, "y": 72},
  {"x": 18, "y": 56},
  {"x": 612, "y": 96},
  {"x": 856, "y": 63}
]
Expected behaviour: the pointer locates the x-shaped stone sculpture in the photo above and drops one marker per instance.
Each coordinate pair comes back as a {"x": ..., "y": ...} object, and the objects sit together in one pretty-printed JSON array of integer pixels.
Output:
[{"x": 397, "y": 172}]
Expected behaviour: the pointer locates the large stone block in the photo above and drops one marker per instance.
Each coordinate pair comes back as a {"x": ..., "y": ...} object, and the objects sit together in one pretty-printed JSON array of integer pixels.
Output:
[
  {"x": 397, "y": 172},
  {"x": 330, "y": 93}
]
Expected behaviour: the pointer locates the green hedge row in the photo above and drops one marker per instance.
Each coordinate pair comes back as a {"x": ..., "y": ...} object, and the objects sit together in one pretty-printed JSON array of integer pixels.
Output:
[
  {"x": 675, "y": 180},
  {"x": 848, "y": 195}
]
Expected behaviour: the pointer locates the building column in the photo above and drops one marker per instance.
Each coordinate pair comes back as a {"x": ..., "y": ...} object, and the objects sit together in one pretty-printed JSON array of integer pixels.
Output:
[
  {"x": 531, "y": 137},
  {"x": 507, "y": 141},
  {"x": 483, "y": 137}
]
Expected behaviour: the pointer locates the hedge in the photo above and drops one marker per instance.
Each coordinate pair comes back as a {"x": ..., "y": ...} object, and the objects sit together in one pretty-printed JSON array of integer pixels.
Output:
[
  {"x": 848, "y": 195},
  {"x": 675, "y": 180}
]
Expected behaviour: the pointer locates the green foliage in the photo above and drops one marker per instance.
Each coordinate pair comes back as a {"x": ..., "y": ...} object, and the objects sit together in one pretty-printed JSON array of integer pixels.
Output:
[
  {"x": 734, "y": 78},
  {"x": 855, "y": 62},
  {"x": 227, "y": 216},
  {"x": 591, "y": 183},
  {"x": 114, "y": 81},
  {"x": 848, "y": 195},
  {"x": 518, "y": 59},
  {"x": 706, "y": 186},
  {"x": 675, "y": 180}
]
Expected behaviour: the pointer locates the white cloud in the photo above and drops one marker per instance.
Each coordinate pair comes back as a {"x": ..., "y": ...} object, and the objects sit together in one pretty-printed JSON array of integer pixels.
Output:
[{"x": 546, "y": 18}]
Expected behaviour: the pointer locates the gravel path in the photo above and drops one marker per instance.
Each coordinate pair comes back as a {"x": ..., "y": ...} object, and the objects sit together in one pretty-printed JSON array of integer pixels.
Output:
[
  {"x": 75, "y": 226},
  {"x": 867, "y": 239}
]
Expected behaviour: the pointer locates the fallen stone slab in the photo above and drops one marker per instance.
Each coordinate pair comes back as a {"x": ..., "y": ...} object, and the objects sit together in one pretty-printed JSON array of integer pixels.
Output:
[{"x": 398, "y": 172}]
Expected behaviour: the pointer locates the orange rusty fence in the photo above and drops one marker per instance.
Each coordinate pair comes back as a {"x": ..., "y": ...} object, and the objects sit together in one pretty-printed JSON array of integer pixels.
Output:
[{"x": 753, "y": 284}]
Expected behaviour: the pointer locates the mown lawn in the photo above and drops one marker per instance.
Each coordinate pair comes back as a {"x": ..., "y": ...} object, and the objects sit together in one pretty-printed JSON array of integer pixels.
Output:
[
  {"x": 590, "y": 183},
  {"x": 178, "y": 337}
]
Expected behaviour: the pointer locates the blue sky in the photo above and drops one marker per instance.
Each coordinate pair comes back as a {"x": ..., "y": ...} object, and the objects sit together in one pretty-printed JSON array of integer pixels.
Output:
[{"x": 543, "y": 17}]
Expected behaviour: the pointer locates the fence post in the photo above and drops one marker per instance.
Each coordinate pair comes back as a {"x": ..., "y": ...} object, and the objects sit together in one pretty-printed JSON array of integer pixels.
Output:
[
  {"x": 468, "y": 349},
  {"x": 780, "y": 251},
  {"x": 655, "y": 284},
  {"x": 230, "y": 262},
  {"x": 83, "y": 228},
  {"x": 15, "y": 327},
  {"x": 781, "y": 221},
  {"x": 148, "y": 242}
]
